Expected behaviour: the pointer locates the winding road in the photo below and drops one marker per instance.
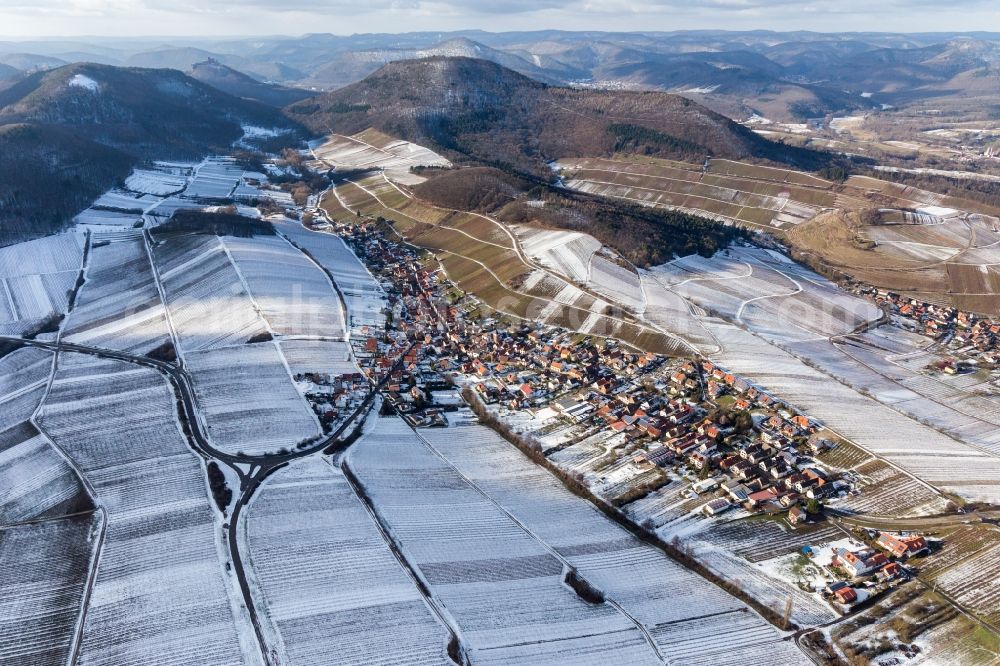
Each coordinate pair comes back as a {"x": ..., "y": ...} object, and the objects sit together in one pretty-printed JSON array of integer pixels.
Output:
[{"x": 260, "y": 466}]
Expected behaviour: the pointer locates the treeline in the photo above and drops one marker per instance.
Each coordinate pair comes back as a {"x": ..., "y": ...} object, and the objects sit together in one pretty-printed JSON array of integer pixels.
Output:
[
  {"x": 473, "y": 188},
  {"x": 47, "y": 176},
  {"x": 645, "y": 141},
  {"x": 982, "y": 191},
  {"x": 225, "y": 222},
  {"x": 643, "y": 235}
]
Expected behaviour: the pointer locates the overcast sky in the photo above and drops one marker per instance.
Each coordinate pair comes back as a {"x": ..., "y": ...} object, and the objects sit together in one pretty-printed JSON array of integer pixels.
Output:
[{"x": 34, "y": 18}]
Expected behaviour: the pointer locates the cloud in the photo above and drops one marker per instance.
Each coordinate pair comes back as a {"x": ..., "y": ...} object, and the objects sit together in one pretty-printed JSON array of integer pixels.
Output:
[{"x": 39, "y": 17}]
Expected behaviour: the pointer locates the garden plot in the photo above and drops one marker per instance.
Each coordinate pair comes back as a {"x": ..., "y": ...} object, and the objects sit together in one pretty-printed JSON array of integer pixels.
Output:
[
  {"x": 718, "y": 548},
  {"x": 119, "y": 306},
  {"x": 43, "y": 579},
  {"x": 318, "y": 356},
  {"x": 23, "y": 376},
  {"x": 664, "y": 506},
  {"x": 664, "y": 597},
  {"x": 762, "y": 540},
  {"x": 208, "y": 304},
  {"x": 327, "y": 579},
  {"x": 35, "y": 481},
  {"x": 160, "y": 594},
  {"x": 499, "y": 583},
  {"x": 364, "y": 296},
  {"x": 295, "y": 296},
  {"x": 248, "y": 399},
  {"x": 975, "y": 583}
]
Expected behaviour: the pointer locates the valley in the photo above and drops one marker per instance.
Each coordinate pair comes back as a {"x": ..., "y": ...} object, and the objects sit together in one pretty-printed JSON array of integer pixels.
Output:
[{"x": 450, "y": 362}]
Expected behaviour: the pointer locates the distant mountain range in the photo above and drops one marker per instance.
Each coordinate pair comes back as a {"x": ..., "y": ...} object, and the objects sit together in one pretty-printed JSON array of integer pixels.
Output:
[
  {"x": 784, "y": 76},
  {"x": 510, "y": 100},
  {"x": 213, "y": 73}
]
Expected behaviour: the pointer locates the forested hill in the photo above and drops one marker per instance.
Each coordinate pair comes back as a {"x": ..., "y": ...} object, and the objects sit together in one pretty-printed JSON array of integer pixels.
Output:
[
  {"x": 68, "y": 134},
  {"x": 496, "y": 116}
]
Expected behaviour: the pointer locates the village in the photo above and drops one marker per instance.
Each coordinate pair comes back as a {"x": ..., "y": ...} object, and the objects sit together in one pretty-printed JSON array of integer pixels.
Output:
[
  {"x": 974, "y": 340},
  {"x": 733, "y": 446}
]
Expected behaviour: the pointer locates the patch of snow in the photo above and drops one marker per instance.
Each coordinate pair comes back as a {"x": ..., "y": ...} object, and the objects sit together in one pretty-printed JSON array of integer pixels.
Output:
[
  {"x": 937, "y": 211},
  {"x": 82, "y": 81}
]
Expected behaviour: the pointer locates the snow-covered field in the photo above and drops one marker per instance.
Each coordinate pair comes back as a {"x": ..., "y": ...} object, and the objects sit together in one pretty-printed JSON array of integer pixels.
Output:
[
  {"x": 565, "y": 252},
  {"x": 93, "y": 217},
  {"x": 364, "y": 296},
  {"x": 23, "y": 375},
  {"x": 673, "y": 313},
  {"x": 209, "y": 306},
  {"x": 160, "y": 594},
  {"x": 322, "y": 356},
  {"x": 119, "y": 305},
  {"x": 43, "y": 576},
  {"x": 968, "y": 412},
  {"x": 691, "y": 620},
  {"x": 296, "y": 297},
  {"x": 328, "y": 580},
  {"x": 248, "y": 399},
  {"x": 35, "y": 481},
  {"x": 124, "y": 201},
  {"x": 934, "y": 457},
  {"x": 214, "y": 178},
  {"x": 501, "y": 584},
  {"x": 617, "y": 283},
  {"x": 35, "y": 279},
  {"x": 160, "y": 182},
  {"x": 372, "y": 150}
]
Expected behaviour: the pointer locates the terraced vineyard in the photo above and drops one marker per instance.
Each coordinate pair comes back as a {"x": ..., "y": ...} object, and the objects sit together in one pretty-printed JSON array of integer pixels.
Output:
[
  {"x": 501, "y": 583},
  {"x": 373, "y": 149},
  {"x": 917, "y": 242},
  {"x": 293, "y": 294},
  {"x": 42, "y": 587},
  {"x": 483, "y": 257},
  {"x": 329, "y": 581},
  {"x": 160, "y": 588},
  {"x": 119, "y": 306},
  {"x": 248, "y": 399},
  {"x": 728, "y": 191}
]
